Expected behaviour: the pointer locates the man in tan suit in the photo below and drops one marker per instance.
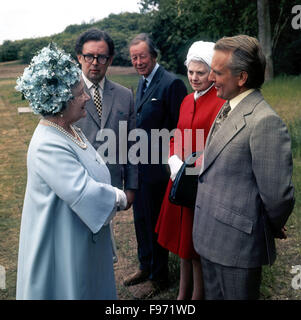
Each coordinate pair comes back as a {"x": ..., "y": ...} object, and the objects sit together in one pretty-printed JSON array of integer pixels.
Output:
[{"x": 245, "y": 193}]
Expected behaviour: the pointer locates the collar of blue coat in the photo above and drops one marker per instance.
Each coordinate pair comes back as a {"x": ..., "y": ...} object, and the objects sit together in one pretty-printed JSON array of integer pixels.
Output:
[{"x": 150, "y": 77}]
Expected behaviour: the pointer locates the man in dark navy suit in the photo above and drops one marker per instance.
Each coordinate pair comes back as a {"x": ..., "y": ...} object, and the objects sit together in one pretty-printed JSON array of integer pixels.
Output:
[{"x": 158, "y": 99}]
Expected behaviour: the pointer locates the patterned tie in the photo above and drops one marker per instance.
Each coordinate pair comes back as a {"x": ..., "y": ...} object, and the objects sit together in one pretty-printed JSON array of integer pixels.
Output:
[
  {"x": 221, "y": 117},
  {"x": 97, "y": 99}
]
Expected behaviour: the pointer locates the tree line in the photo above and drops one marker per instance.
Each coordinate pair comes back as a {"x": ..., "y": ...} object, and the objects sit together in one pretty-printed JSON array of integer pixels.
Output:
[
  {"x": 176, "y": 24},
  {"x": 122, "y": 28}
]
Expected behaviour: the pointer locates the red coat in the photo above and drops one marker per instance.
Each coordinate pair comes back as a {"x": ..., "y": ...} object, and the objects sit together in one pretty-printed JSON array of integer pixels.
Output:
[{"x": 174, "y": 225}]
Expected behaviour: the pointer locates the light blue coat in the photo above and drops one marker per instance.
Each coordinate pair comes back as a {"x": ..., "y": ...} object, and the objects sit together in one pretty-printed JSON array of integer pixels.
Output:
[{"x": 65, "y": 247}]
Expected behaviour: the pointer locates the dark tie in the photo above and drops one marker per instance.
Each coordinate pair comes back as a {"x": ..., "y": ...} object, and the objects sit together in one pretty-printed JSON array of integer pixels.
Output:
[
  {"x": 221, "y": 117},
  {"x": 144, "y": 87},
  {"x": 97, "y": 100}
]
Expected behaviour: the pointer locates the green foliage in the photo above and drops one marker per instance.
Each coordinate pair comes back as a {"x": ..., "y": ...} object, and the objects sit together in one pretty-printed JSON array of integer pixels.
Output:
[
  {"x": 8, "y": 51},
  {"x": 31, "y": 47},
  {"x": 295, "y": 133},
  {"x": 122, "y": 28},
  {"x": 175, "y": 25},
  {"x": 185, "y": 21}
]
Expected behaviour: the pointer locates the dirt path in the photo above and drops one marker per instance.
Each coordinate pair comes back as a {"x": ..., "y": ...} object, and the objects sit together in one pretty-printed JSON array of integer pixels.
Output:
[{"x": 289, "y": 254}]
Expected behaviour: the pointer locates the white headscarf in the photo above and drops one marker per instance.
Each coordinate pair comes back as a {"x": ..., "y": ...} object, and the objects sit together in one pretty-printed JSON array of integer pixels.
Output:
[{"x": 200, "y": 51}]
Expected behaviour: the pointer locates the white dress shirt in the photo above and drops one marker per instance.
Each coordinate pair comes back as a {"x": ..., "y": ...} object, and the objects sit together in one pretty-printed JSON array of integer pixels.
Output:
[
  {"x": 90, "y": 84},
  {"x": 149, "y": 78}
]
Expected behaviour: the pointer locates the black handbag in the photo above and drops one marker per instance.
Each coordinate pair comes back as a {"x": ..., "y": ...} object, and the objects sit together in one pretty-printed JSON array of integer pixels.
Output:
[{"x": 184, "y": 189}]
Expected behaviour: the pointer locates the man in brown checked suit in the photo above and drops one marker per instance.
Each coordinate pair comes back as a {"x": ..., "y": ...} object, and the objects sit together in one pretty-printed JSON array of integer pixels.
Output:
[{"x": 245, "y": 193}]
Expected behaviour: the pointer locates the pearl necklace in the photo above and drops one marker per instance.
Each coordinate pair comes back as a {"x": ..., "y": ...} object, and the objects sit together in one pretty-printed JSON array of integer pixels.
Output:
[{"x": 77, "y": 139}]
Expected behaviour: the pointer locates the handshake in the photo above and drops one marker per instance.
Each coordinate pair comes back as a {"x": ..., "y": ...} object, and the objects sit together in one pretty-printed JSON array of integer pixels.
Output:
[{"x": 124, "y": 199}]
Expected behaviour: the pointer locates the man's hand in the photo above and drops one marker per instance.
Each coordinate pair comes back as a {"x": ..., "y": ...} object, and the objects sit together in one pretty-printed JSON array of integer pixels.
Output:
[
  {"x": 281, "y": 234},
  {"x": 130, "y": 195}
]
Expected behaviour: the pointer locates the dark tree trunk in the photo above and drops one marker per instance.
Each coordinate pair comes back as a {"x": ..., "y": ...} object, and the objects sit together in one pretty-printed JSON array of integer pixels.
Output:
[{"x": 264, "y": 35}]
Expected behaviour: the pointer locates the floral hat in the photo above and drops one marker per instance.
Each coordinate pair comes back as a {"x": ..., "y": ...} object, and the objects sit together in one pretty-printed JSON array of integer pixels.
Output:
[{"x": 47, "y": 82}]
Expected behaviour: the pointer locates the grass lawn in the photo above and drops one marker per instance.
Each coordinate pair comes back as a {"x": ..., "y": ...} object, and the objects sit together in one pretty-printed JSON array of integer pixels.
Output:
[{"x": 282, "y": 93}]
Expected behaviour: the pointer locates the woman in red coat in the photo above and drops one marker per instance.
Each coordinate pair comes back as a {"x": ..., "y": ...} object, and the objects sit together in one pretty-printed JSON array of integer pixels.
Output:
[{"x": 198, "y": 111}]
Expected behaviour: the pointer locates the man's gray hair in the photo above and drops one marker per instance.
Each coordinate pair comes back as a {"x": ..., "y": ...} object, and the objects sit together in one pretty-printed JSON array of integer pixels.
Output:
[
  {"x": 247, "y": 56},
  {"x": 144, "y": 37}
]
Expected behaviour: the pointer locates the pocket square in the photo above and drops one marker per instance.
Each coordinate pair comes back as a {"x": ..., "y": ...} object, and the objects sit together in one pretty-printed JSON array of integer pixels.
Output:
[{"x": 154, "y": 99}]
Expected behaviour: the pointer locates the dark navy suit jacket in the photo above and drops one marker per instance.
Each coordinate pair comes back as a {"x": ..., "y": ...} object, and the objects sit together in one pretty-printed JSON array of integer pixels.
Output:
[{"x": 158, "y": 109}]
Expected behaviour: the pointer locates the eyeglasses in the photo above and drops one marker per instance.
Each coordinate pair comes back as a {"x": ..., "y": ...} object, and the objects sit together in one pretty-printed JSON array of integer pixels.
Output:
[{"x": 102, "y": 59}]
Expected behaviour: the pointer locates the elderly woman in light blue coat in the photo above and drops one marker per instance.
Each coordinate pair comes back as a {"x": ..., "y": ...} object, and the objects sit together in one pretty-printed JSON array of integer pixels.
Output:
[{"x": 65, "y": 243}]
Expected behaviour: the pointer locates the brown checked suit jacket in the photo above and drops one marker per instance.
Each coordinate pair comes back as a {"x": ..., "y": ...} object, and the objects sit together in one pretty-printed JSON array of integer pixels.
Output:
[{"x": 245, "y": 192}]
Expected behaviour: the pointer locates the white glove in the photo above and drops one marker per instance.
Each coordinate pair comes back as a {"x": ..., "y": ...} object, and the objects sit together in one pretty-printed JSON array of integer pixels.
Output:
[
  {"x": 121, "y": 200},
  {"x": 175, "y": 163},
  {"x": 121, "y": 203}
]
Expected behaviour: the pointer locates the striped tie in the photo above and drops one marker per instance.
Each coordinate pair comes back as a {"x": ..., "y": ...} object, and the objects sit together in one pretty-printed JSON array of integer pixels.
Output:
[
  {"x": 97, "y": 99},
  {"x": 144, "y": 87}
]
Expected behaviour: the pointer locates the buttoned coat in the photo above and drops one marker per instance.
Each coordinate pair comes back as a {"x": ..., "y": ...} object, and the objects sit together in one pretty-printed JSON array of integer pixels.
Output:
[
  {"x": 65, "y": 249},
  {"x": 117, "y": 106},
  {"x": 245, "y": 192}
]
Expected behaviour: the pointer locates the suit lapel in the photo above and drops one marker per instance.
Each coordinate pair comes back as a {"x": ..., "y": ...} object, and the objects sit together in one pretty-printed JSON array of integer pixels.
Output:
[
  {"x": 107, "y": 102},
  {"x": 138, "y": 94},
  {"x": 230, "y": 128},
  {"x": 223, "y": 136}
]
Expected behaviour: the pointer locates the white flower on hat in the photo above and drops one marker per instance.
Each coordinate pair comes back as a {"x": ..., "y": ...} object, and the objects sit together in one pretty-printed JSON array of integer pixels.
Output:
[{"x": 47, "y": 82}]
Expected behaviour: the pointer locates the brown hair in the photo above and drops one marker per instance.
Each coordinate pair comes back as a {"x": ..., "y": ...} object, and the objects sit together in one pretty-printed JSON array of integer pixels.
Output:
[
  {"x": 247, "y": 56},
  {"x": 94, "y": 34}
]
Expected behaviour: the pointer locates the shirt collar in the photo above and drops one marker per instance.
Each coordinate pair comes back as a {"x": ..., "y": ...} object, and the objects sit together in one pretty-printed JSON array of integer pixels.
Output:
[
  {"x": 236, "y": 100},
  {"x": 150, "y": 77},
  {"x": 89, "y": 84}
]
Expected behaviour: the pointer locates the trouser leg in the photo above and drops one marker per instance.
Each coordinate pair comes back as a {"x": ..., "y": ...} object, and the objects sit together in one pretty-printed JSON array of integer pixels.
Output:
[
  {"x": 230, "y": 283},
  {"x": 147, "y": 205}
]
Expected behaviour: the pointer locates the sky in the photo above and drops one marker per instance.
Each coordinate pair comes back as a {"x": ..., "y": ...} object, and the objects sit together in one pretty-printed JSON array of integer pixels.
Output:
[{"x": 20, "y": 19}]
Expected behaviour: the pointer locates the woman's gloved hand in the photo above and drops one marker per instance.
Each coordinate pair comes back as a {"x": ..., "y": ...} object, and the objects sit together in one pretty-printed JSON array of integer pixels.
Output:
[
  {"x": 121, "y": 199},
  {"x": 121, "y": 204},
  {"x": 175, "y": 163}
]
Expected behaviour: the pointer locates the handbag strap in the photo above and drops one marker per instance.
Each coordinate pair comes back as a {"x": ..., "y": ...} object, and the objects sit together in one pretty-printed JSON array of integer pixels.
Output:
[
  {"x": 188, "y": 163},
  {"x": 194, "y": 156}
]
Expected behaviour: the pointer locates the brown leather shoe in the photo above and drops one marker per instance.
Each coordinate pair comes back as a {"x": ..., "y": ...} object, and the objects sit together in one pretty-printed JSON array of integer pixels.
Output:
[
  {"x": 138, "y": 277},
  {"x": 149, "y": 289}
]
